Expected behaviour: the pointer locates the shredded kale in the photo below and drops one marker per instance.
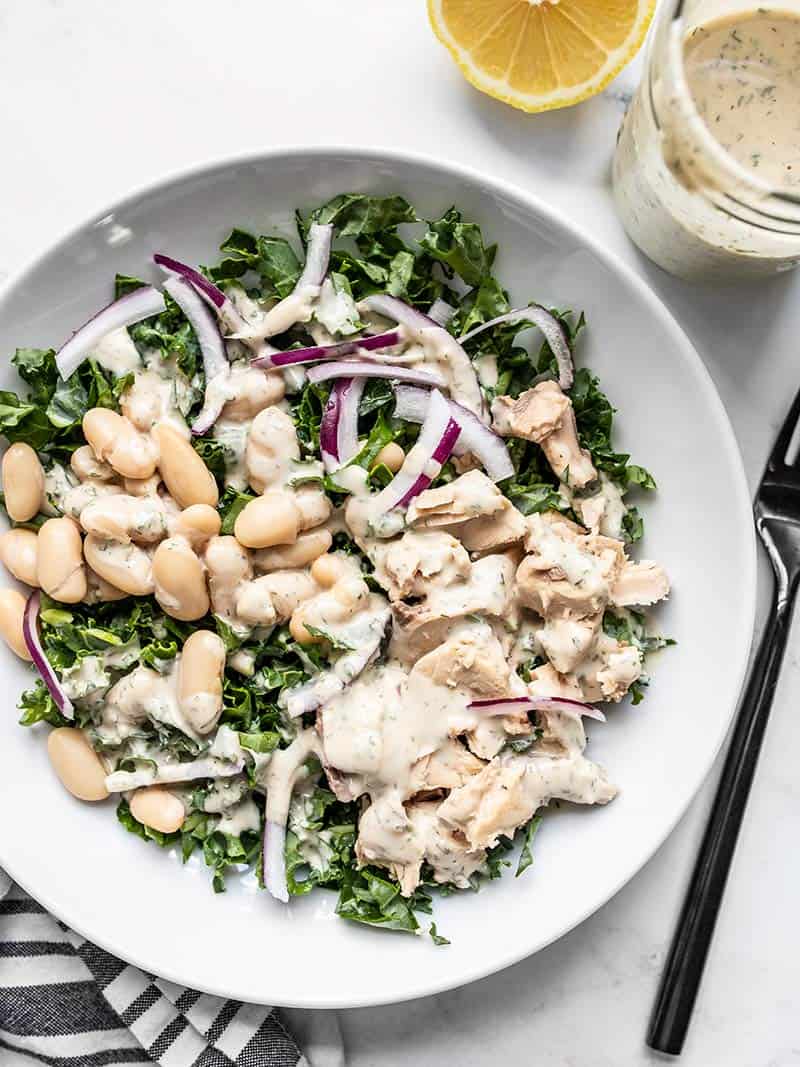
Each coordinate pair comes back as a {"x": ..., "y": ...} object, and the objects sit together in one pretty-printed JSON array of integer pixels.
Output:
[{"x": 381, "y": 245}]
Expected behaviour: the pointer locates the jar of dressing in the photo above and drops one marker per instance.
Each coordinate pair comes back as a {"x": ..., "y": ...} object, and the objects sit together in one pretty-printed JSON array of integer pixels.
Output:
[{"x": 707, "y": 166}]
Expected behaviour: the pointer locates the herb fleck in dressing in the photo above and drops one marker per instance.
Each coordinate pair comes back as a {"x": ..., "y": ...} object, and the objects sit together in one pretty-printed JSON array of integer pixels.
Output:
[{"x": 744, "y": 77}]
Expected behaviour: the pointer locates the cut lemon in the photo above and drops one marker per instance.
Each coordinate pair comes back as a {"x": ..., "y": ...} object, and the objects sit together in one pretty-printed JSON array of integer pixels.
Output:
[{"x": 541, "y": 54}]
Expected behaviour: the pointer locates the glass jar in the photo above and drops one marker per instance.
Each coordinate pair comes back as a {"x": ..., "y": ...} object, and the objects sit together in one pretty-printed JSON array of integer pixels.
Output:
[{"x": 707, "y": 166}]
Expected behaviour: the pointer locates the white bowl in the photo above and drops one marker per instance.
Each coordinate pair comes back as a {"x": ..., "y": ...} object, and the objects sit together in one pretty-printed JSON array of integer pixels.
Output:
[{"x": 135, "y": 899}]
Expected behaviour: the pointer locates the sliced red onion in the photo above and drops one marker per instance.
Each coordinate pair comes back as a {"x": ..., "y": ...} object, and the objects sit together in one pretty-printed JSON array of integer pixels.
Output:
[
  {"x": 576, "y": 708},
  {"x": 411, "y": 404},
  {"x": 273, "y": 853},
  {"x": 338, "y": 432},
  {"x": 140, "y": 304},
  {"x": 441, "y": 312},
  {"x": 30, "y": 632},
  {"x": 212, "y": 347},
  {"x": 318, "y": 254},
  {"x": 231, "y": 319},
  {"x": 211, "y": 293},
  {"x": 437, "y": 437},
  {"x": 553, "y": 333},
  {"x": 390, "y": 307},
  {"x": 449, "y": 349},
  {"x": 297, "y": 306},
  {"x": 319, "y": 352},
  {"x": 358, "y": 368},
  {"x": 512, "y": 705}
]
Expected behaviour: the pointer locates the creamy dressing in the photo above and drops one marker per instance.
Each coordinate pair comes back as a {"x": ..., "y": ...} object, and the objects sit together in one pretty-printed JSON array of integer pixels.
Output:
[
  {"x": 744, "y": 77},
  {"x": 700, "y": 205},
  {"x": 117, "y": 353},
  {"x": 336, "y": 311}
]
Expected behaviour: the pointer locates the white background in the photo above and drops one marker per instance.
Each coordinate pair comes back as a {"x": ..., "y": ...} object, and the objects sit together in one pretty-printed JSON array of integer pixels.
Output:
[{"x": 98, "y": 97}]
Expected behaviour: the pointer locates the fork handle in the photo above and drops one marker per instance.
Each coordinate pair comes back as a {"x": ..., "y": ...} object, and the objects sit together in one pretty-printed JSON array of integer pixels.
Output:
[{"x": 684, "y": 968}]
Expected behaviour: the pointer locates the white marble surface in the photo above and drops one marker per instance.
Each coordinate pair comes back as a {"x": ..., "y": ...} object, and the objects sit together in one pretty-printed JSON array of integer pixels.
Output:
[{"x": 99, "y": 97}]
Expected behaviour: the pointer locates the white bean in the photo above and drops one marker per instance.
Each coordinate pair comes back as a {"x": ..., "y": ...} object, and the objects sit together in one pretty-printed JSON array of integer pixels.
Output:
[
  {"x": 202, "y": 665},
  {"x": 157, "y": 808},
  {"x": 23, "y": 482},
  {"x": 180, "y": 580},
  {"x": 183, "y": 471},
  {"x": 19, "y": 552},
  {"x": 59, "y": 566},
  {"x": 12, "y": 611},
  {"x": 77, "y": 764}
]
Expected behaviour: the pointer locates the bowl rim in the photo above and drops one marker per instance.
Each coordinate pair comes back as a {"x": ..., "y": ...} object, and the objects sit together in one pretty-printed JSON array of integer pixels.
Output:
[{"x": 535, "y": 206}]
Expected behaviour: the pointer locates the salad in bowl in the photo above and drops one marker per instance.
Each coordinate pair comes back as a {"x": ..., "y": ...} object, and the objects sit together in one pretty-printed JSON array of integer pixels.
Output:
[{"x": 328, "y": 550}]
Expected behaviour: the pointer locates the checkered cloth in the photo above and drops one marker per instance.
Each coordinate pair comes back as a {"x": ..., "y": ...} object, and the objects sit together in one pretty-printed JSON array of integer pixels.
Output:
[{"x": 65, "y": 1002}]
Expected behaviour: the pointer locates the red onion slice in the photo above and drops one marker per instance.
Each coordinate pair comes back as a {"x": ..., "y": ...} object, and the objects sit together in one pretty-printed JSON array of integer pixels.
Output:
[
  {"x": 553, "y": 333},
  {"x": 412, "y": 403},
  {"x": 297, "y": 306},
  {"x": 338, "y": 432},
  {"x": 30, "y": 631},
  {"x": 441, "y": 312},
  {"x": 430, "y": 334},
  {"x": 229, "y": 316},
  {"x": 318, "y": 254},
  {"x": 319, "y": 352},
  {"x": 273, "y": 853},
  {"x": 437, "y": 437},
  {"x": 576, "y": 708},
  {"x": 365, "y": 369},
  {"x": 390, "y": 307},
  {"x": 142, "y": 303},
  {"x": 212, "y": 347},
  {"x": 512, "y": 705}
]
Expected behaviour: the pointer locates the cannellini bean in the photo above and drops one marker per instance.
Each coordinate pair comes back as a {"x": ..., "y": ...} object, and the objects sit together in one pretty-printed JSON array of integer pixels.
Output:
[
  {"x": 254, "y": 603},
  {"x": 308, "y": 547},
  {"x": 337, "y": 604},
  {"x": 288, "y": 589},
  {"x": 272, "y": 519},
  {"x": 142, "y": 486},
  {"x": 391, "y": 456},
  {"x": 59, "y": 566},
  {"x": 12, "y": 610},
  {"x": 197, "y": 523},
  {"x": 23, "y": 482},
  {"x": 252, "y": 390},
  {"x": 158, "y": 808},
  {"x": 314, "y": 505},
  {"x": 77, "y": 764},
  {"x": 228, "y": 565},
  {"x": 100, "y": 591},
  {"x": 18, "y": 553},
  {"x": 126, "y": 567},
  {"x": 271, "y": 445},
  {"x": 200, "y": 672},
  {"x": 148, "y": 400},
  {"x": 329, "y": 569},
  {"x": 87, "y": 466},
  {"x": 180, "y": 580},
  {"x": 117, "y": 441},
  {"x": 126, "y": 518},
  {"x": 183, "y": 471},
  {"x": 80, "y": 496}
]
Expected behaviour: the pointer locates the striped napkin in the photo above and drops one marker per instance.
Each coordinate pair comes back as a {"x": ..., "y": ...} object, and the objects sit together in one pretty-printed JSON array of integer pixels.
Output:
[{"x": 65, "y": 1002}]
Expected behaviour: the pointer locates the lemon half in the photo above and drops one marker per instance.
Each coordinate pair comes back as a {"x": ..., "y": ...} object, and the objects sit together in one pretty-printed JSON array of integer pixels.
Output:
[{"x": 541, "y": 54}]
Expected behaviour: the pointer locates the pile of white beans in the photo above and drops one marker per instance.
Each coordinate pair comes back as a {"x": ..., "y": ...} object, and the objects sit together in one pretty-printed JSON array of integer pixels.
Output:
[{"x": 142, "y": 520}]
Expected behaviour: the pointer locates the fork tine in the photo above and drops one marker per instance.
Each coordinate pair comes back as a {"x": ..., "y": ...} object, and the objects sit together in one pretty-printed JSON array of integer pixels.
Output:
[{"x": 777, "y": 459}]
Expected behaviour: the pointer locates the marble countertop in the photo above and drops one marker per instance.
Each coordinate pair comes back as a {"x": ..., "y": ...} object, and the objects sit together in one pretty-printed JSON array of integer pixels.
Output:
[{"x": 101, "y": 97}]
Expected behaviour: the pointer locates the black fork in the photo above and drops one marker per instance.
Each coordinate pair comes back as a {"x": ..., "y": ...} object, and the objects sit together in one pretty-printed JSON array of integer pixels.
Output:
[{"x": 777, "y": 516}]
